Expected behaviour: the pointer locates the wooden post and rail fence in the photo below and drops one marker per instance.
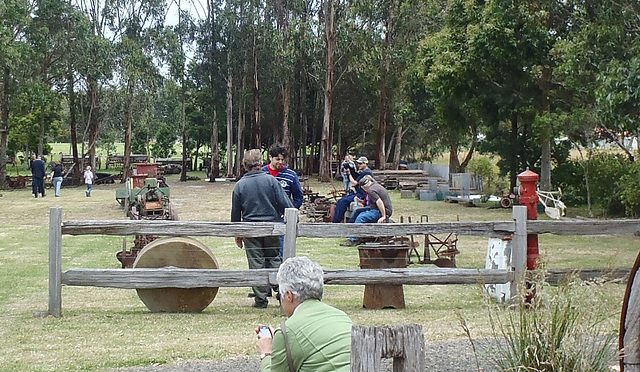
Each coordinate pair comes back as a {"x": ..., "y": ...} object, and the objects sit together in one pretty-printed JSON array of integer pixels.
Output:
[{"x": 517, "y": 229}]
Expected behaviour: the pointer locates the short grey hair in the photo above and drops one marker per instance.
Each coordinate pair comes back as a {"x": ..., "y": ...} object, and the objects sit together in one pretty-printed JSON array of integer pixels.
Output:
[
  {"x": 303, "y": 277},
  {"x": 252, "y": 159}
]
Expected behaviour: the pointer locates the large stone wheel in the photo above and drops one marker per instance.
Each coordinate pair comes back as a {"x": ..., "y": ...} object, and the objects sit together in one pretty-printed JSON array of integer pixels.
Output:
[{"x": 178, "y": 252}]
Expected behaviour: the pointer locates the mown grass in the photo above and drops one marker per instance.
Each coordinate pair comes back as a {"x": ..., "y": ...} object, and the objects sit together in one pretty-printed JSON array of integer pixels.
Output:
[{"x": 108, "y": 328}]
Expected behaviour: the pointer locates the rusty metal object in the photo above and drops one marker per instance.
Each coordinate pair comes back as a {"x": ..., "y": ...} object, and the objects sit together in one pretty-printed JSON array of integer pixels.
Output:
[
  {"x": 18, "y": 182},
  {"x": 383, "y": 256},
  {"x": 128, "y": 257},
  {"x": 177, "y": 252}
]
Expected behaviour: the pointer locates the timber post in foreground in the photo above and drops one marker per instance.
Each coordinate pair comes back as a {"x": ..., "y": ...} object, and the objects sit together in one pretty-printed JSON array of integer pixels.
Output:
[
  {"x": 55, "y": 262},
  {"x": 404, "y": 343}
]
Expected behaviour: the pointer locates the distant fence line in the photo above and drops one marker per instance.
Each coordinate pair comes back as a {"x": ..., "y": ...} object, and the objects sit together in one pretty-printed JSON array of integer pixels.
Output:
[{"x": 518, "y": 228}]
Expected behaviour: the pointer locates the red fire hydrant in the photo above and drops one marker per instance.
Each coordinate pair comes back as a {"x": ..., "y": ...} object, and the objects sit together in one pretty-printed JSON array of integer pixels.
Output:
[{"x": 529, "y": 198}]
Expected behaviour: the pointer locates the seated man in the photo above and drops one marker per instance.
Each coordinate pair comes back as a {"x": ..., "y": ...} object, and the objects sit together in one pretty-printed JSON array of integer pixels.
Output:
[
  {"x": 316, "y": 337},
  {"x": 343, "y": 204},
  {"x": 379, "y": 207}
]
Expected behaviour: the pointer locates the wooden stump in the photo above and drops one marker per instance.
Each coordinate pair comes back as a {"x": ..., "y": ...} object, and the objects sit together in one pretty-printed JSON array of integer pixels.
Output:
[
  {"x": 404, "y": 343},
  {"x": 630, "y": 323}
]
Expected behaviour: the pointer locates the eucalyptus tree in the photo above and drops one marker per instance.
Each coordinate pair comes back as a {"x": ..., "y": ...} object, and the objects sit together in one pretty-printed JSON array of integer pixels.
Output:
[
  {"x": 394, "y": 28},
  {"x": 90, "y": 72},
  {"x": 135, "y": 26},
  {"x": 14, "y": 20},
  {"x": 331, "y": 36}
]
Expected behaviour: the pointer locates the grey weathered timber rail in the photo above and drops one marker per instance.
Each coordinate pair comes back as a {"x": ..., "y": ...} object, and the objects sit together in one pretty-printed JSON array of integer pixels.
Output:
[
  {"x": 173, "y": 277},
  {"x": 173, "y": 228},
  {"x": 586, "y": 227}
]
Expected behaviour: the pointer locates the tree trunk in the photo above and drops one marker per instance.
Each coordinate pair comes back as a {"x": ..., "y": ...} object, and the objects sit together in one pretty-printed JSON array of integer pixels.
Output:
[
  {"x": 4, "y": 129},
  {"x": 286, "y": 108},
  {"x": 513, "y": 161},
  {"x": 545, "y": 165},
  {"x": 41, "y": 137},
  {"x": 398, "y": 148},
  {"x": 230, "y": 120},
  {"x": 256, "y": 97},
  {"x": 73, "y": 119},
  {"x": 385, "y": 86},
  {"x": 126, "y": 162},
  {"x": 325, "y": 145},
  {"x": 94, "y": 122},
  {"x": 454, "y": 162},
  {"x": 215, "y": 149}
]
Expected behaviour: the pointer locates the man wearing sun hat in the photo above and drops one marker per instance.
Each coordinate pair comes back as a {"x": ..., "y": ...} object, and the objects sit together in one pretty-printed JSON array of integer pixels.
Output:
[{"x": 343, "y": 204}]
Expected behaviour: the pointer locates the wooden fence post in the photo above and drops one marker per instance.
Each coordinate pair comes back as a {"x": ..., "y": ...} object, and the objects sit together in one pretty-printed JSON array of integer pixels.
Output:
[
  {"x": 519, "y": 248},
  {"x": 55, "y": 262},
  {"x": 291, "y": 233},
  {"x": 404, "y": 343}
]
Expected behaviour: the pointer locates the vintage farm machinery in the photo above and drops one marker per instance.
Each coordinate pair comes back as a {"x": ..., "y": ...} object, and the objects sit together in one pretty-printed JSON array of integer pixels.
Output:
[{"x": 145, "y": 197}]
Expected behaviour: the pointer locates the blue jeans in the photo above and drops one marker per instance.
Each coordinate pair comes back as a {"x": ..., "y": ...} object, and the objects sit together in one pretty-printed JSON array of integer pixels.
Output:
[
  {"x": 57, "y": 181},
  {"x": 347, "y": 183},
  {"x": 367, "y": 216},
  {"x": 341, "y": 207},
  {"x": 356, "y": 213},
  {"x": 89, "y": 188}
]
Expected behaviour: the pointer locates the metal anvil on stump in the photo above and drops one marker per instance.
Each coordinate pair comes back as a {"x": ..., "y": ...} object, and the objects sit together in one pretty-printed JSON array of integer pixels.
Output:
[{"x": 379, "y": 256}]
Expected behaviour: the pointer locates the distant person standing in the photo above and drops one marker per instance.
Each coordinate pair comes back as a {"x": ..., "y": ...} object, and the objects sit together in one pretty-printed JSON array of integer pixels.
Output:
[
  {"x": 38, "y": 172},
  {"x": 56, "y": 176},
  {"x": 258, "y": 197},
  {"x": 88, "y": 180},
  {"x": 347, "y": 169}
]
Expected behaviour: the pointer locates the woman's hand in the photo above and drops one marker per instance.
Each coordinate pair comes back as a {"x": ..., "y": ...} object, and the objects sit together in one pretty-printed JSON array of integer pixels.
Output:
[{"x": 265, "y": 342}]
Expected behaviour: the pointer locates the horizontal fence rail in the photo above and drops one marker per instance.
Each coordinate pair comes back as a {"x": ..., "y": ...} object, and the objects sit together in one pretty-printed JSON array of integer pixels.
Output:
[
  {"x": 494, "y": 229},
  {"x": 172, "y": 277}
]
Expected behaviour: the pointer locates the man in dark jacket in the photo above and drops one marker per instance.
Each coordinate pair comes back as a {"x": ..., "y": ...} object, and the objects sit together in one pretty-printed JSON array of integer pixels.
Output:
[
  {"x": 258, "y": 197},
  {"x": 38, "y": 171}
]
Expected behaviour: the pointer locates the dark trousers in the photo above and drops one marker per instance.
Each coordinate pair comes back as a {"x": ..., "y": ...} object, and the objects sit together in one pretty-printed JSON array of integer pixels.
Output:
[
  {"x": 341, "y": 207},
  {"x": 37, "y": 186},
  {"x": 262, "y": 253}
]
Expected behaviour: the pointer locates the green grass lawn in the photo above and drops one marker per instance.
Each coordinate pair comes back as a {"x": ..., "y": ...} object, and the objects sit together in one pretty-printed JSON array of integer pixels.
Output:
[{"x": 107, "y": 328}]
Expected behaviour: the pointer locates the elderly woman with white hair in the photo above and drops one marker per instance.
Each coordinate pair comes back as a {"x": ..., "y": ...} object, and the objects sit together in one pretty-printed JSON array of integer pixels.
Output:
[{"x": 316, "y": 337}]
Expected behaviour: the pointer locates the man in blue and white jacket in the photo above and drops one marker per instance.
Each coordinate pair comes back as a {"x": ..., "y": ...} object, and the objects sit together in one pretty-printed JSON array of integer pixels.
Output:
[{"x": 287, "y": 178}]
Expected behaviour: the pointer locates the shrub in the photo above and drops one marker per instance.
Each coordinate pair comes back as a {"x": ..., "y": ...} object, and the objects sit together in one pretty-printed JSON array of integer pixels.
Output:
[
  {"x": 558, "y": 333},
  {"x": 484, "y": 168},
  {"x": 607, "y": 181}
]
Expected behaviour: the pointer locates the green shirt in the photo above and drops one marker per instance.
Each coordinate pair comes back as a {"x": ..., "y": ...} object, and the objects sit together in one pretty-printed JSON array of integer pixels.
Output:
[{"x": 320, "y": 340}]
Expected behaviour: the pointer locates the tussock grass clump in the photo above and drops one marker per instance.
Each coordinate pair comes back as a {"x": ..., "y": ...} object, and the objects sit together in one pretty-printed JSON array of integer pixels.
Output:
[{"x": 563, "y": 330}]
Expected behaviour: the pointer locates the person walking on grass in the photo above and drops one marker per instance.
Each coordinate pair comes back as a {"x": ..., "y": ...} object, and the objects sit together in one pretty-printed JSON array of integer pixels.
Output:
[
  {"x": 258, "y": 197},
  {"x": 56, "y": 177},
  {"x": 88, "y": 180},
  {"x": 38, "y": 172}
]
